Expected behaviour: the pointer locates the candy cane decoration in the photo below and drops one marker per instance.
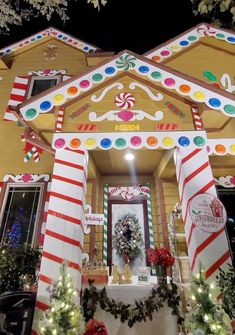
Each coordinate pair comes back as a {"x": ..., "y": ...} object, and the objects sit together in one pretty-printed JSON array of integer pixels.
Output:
[
  {"x": 105, "y": 242},
  {"x": 194, "y": 177},
  {"x": 150, "y": 219},
  {"x": 124, "y": 100},
  {"x": 196, "y": 118},
  {"x": 30, "y": 150}
]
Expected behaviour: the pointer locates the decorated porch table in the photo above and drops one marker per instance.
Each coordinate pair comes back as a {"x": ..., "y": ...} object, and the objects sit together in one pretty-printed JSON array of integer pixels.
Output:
[{"x": 163, "y": 323}]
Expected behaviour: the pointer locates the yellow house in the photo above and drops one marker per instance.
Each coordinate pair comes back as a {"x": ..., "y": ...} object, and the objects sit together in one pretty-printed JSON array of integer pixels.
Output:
[{"x": 128, "y": 135}]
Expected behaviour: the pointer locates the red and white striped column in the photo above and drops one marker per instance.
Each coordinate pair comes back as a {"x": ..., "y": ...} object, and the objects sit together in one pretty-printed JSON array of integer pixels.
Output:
[
  {"x": 194, "y": 177},
  {"x": 64, "y": 226}
]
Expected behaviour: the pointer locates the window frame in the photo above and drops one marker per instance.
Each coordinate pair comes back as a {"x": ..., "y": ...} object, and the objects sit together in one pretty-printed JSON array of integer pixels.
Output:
[
  {"x": 38, "y": 77},
  {"x": 39, "y": 214}
]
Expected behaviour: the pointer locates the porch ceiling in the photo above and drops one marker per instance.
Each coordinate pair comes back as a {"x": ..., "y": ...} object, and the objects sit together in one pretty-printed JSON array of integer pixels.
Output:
[{"x": 112, "y": 162}]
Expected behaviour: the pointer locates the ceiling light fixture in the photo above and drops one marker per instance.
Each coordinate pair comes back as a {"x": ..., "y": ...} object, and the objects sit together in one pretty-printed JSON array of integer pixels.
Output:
[{"x": 129, "y": 156}]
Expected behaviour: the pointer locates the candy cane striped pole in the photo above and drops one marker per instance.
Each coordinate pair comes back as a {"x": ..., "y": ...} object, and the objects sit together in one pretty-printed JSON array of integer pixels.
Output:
[
  {"x": 43, "y": 229},
  {"x": 59, "y": 121},
  {"x": 194, "y": 177},
  {"x": 150, "y": 218},
  {"x": 196, "y": 118},
  {"x": 64, "y": 226},
  {"x": 105, "y": 242}
]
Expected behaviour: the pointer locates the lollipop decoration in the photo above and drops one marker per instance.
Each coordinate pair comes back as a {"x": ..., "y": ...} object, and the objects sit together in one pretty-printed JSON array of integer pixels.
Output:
[{"x": 124, "y": 100}]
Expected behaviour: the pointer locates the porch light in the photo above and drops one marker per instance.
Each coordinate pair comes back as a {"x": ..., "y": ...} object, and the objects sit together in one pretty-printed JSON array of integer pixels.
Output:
[{"x": 129, "y": 156}]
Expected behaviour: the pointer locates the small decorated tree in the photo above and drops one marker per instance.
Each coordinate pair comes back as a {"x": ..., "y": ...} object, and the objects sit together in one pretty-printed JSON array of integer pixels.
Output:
[
  {"x": 127, "y": 238},
  {"x": 204, "y": 317},
  {"x": 64, "y": 316},
  {"x": 18, "y": 267},
  {"x": 15, "y": 233}
]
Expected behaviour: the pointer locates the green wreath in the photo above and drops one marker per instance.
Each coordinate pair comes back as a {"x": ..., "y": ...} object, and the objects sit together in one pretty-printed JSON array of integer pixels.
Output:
[{"x": 127, "y": 238}]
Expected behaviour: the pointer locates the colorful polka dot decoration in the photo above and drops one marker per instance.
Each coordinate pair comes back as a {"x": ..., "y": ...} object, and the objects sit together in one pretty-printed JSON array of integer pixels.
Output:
[
  {"x": 50, "y": 32},
  {"x": 167, "y": 79},
  {"x": 221, "y": 146},
  {"x": 134, "y": 141},
  {"x": 187, "y": 40}
]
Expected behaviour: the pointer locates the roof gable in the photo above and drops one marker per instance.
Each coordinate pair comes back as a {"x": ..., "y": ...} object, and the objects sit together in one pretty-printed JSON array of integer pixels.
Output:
[
  {"x": 126, "y": 61},
  {"x": 42, "y": 35},
  {"x": 181, "y": 42}
]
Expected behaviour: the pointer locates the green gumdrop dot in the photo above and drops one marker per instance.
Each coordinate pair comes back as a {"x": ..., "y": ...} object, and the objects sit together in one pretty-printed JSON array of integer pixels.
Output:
[
  {"x": 229, "y": 109},
  {"x": 199, "y": 141},
  {"x": 220, "y": 35},
  {"x": 30, "y": 113},
  {"x": 192, "y": 38},
  {"x": 156, "y": 75},
  {"x": 120, "y": 143},
  {"x": 97, "y": 77}
]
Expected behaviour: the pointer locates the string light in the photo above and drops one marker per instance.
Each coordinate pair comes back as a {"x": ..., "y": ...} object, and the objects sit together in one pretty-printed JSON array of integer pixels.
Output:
[
  {"x": 212, "y": 286},
  {"x": 199, "y": 290},
  {"x": 193, "y": 297}
]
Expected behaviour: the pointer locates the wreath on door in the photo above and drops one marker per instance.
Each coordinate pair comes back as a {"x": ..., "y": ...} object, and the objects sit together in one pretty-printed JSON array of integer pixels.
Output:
[{"x": 127, "y": 238}]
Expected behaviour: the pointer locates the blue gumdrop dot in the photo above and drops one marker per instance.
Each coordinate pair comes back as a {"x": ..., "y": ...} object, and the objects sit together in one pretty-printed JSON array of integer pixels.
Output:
[
  {"x": 184, "y": 141},
  {"x": 106, "y": 143},
  {"x": 231, "y": 39},
  {"x": 8, "y": 51},
  {"x": 184, "y": 43},
  {"x": 86, "y": 48},
  {"x": 214, "y": 102},
  {"x": 39, "y": 36},
  {"x": 109, "y": 70},
  {"x": 143, "y": 69},
  {"x": 45, "y": 105},
  {"x": 60, "y": 36}
]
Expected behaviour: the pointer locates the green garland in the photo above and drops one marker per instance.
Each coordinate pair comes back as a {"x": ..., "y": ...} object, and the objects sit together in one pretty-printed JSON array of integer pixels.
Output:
[{"x": 141, "y": 311}]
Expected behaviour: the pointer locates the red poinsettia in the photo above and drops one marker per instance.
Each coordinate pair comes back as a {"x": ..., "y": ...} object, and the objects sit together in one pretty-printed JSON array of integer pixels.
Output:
[
  {"x": 161, "y": 256},
  {"x": 94, "y": 327}
]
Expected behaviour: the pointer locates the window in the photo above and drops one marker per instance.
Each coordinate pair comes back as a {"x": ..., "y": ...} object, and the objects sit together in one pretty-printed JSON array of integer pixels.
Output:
[
  {"x": 40, "y": 84},
  {"x": 20, "y": 213}
]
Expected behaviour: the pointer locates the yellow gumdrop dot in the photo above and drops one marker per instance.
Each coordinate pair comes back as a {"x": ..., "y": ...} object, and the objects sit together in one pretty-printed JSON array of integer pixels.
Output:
[
  {"x": 175, "y": 48},
  {"x": 75, "y": 143},
  {"x": 232, "y": 148},
  {"x": 198, "y": 95},
  {"x": 168, "y": 141},
  {"x": 59, "y": 98},
  {"x": 90, "y": 143}
]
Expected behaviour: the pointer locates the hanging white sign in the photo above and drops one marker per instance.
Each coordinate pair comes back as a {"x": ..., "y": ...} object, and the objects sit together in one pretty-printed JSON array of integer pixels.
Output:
[
  {"x": 94, "y": 219},
  {"x": 128, "y": 192}
]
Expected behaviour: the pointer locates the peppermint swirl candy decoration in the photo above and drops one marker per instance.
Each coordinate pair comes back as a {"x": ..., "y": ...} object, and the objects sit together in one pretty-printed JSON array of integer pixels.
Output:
[
  {"x": 125, "y": 62},
  {"x": 124, "y": 100},
  {"x": 206, "y": 30}
]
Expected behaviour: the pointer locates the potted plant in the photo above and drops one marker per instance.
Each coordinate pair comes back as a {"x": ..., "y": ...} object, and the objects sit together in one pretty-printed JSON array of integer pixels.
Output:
[
  {"x": 226, "y": 283},
  {"x": 160, "y": 259}
]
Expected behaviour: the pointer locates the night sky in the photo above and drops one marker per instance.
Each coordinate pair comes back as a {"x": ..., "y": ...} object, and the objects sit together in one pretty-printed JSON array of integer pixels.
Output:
[{"x": 137, "y": 25}]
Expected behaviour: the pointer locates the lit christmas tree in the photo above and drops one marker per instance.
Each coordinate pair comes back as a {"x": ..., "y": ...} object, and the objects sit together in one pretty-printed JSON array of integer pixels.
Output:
[
  {"x": 64, "y": 316},
  {"x": 204, "y": 316},
  {"x": 15, "y": 233}
]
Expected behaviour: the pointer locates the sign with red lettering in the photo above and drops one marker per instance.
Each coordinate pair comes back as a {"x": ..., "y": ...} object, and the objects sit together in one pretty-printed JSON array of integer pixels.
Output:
[{"x": 207, "y": 212}]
